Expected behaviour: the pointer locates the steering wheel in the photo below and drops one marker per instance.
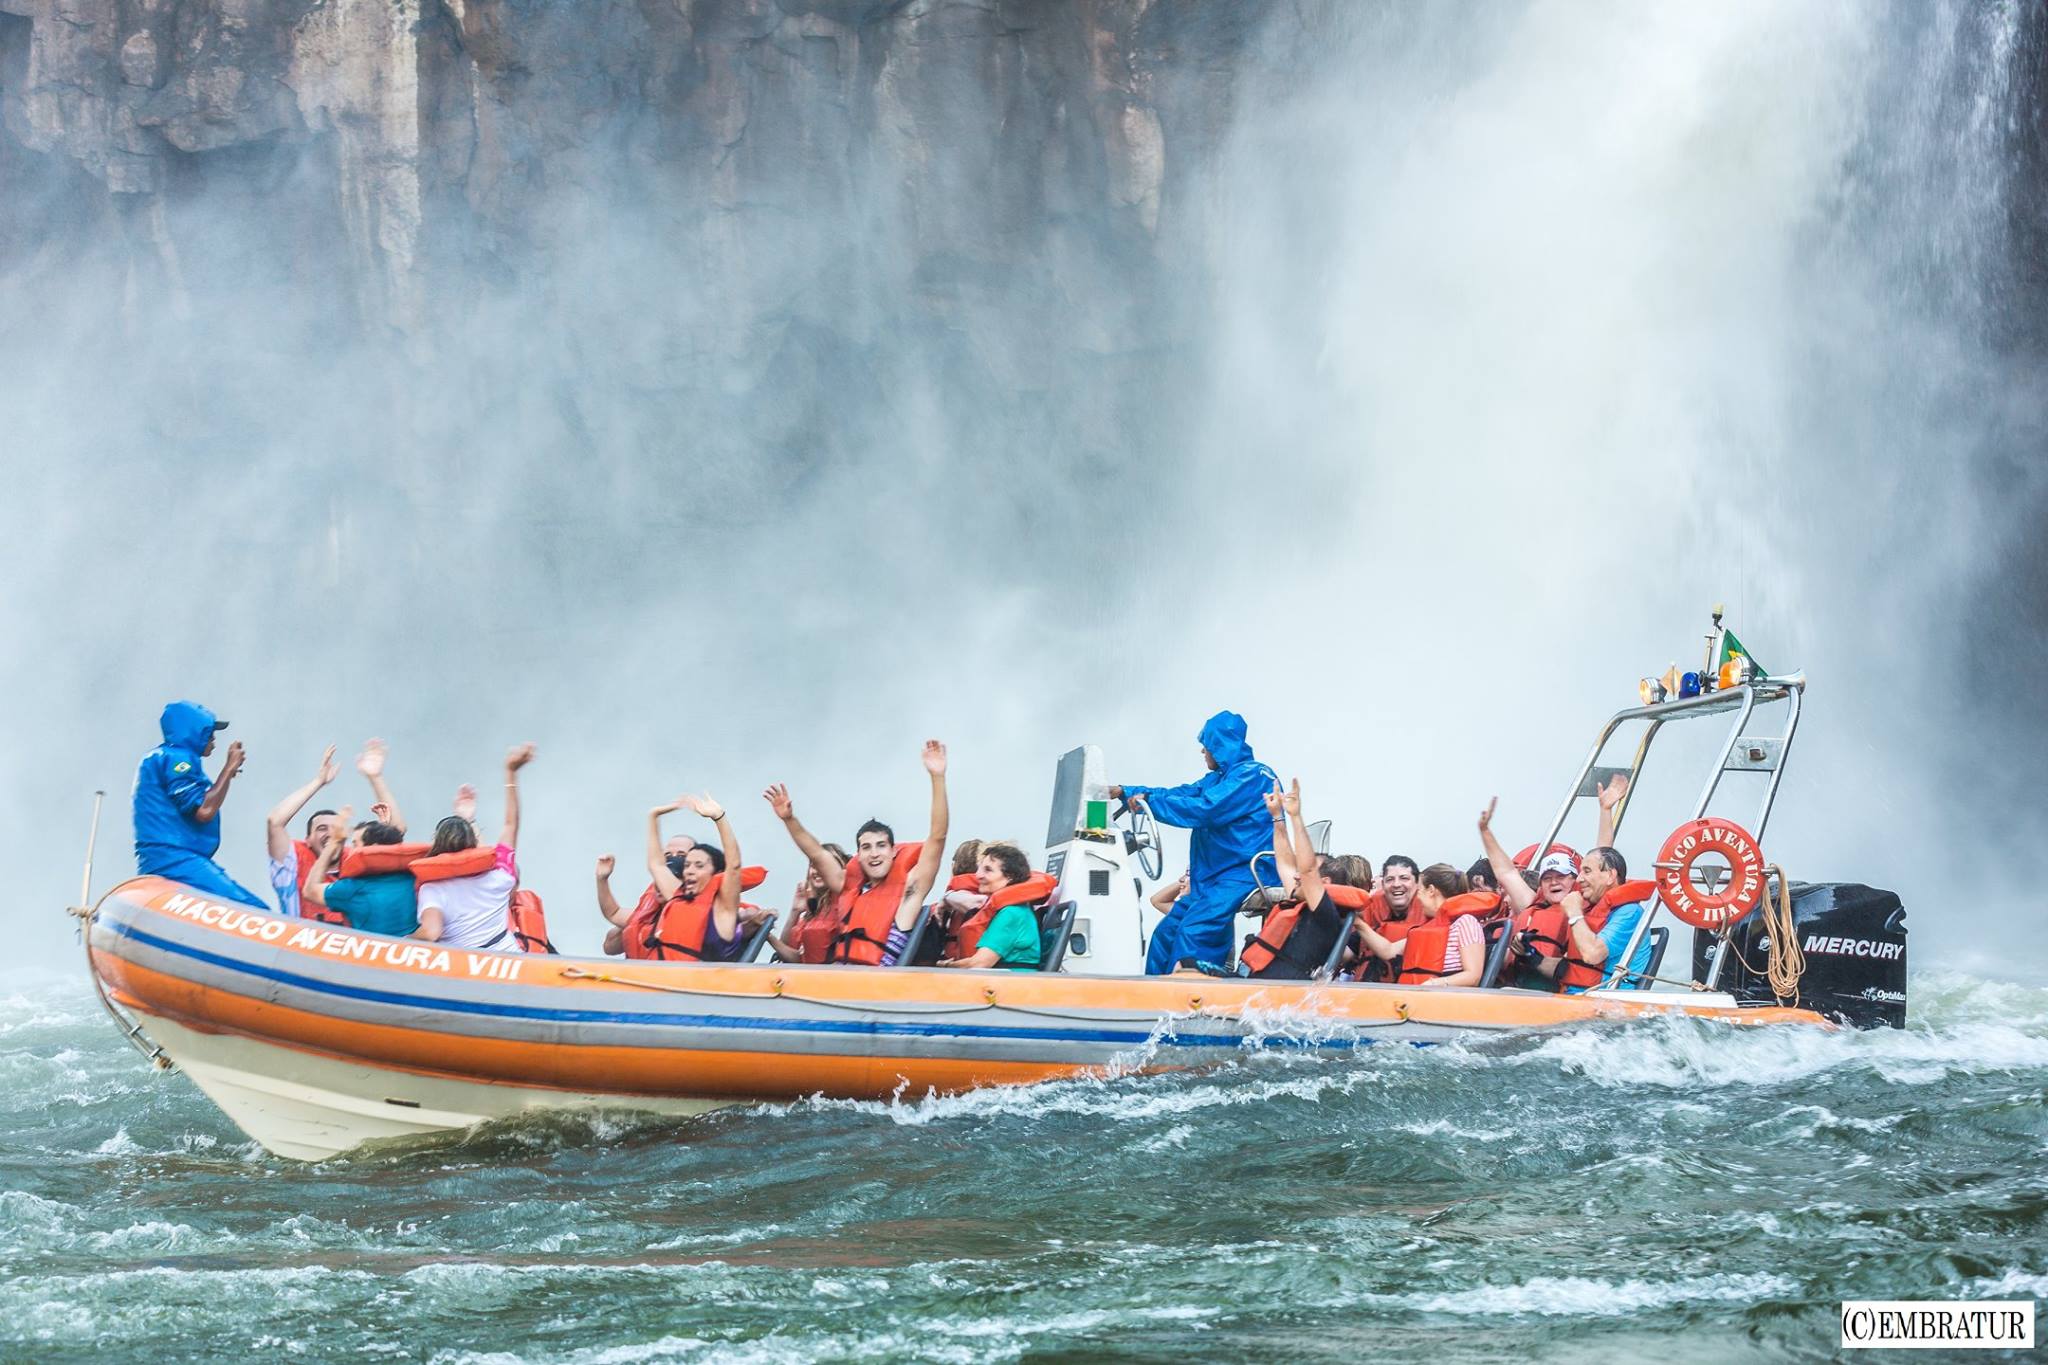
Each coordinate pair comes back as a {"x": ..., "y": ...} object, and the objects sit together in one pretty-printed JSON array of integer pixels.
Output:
[{"x": 1142, "y": 838}]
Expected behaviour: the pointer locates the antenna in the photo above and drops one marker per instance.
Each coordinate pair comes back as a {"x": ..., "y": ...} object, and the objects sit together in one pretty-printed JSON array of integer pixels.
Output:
[{"x": 92, "y": 840}]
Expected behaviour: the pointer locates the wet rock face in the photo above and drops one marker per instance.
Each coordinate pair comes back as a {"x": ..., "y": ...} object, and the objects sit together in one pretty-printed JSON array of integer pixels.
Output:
[{"x": 452, "y": 139}]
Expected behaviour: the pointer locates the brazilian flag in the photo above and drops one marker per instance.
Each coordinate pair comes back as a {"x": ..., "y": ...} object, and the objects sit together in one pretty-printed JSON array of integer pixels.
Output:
[{"x": 1732, "y": 648}]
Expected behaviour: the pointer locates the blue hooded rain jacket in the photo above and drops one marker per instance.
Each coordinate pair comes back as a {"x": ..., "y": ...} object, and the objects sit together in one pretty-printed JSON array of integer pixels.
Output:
[
  {"x": 1226, "y": 810},
  {"x": 170, "y": 839}
]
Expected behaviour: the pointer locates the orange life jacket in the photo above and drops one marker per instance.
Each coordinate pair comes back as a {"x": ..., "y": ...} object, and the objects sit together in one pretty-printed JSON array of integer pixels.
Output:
[
  {"x": 528, "y": 922},
  {"x": 1269, "y": 945},
  {"x": 1551, "y": 937},
  {"x": 1374, "y": 905},
  {"x": 678, "y": 930},
  {"x": 633, "y": 933},
  {"x": 325, "y": 914},
  {"x": 812, "y": 937},
  {"x": 965, "y": 937},
  {"x": 1428, "y": 943},
  {"x": 966, "y": 881},
  {"x": 867, "y": 910},
  {"x": 379, "y": 860},
  {"x": 446, "y": 867}
]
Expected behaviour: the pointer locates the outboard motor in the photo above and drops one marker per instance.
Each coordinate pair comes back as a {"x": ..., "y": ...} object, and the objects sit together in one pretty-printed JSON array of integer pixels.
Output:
[{"x": 1854, "y": 939}]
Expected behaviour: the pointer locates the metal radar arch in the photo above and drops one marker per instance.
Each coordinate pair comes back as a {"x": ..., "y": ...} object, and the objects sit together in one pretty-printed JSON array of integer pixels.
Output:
[{"x": 1757, "y": 740}]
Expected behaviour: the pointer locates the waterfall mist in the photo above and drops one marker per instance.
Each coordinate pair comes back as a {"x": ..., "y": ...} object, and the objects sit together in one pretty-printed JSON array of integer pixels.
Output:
[{"x": 743, "y": 393}]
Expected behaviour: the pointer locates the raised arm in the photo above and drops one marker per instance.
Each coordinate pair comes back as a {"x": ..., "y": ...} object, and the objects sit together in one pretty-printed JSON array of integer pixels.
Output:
[
  {"x": 607, "y": 903},
  {"x": 1612, "y": 796},
  {"x": 516, "y": 759},
  {"x": 313, "y": 891},
  {"x": 277, "y": 824},
  {"x": 727, "y": 910},
  {"x": 927, "y": 870},
  {"x": 370, "y": 763},
  {"x": 1514, "y": 887},
  {"x": 209, "y": 805},
  {"x": 1167, "y": 894},
  {"x": 665, "y": 881},
  {"x": 1283, "y": 855},
  {"x": 1308, "y": 867},
  {"x": 829, "y": 870}
]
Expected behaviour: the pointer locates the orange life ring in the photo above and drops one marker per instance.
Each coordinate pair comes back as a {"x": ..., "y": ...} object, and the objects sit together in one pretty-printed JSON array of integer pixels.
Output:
[{"x": 1687, "y": 844}]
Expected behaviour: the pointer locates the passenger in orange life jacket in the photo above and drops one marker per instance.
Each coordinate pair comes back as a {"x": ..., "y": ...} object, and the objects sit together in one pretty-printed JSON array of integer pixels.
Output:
[
  {"x": 963, "y": 896},
  {"x": 1578, "y": 945},
  {"x": 291, "y": 859},
  {"x": 1004, "y": 930},
  {"x": 287, "y": 868},
  {"x": 1446, "y": 947},
  {"x": 622, "y": 936},
  {"x": 1295, "y": 940},
  {"x": 810, "y": 916},
  {"x": 1556, "y": 872},
  {"x": 377, "y": 896},
  {"x": 876, "y": 897},
  {"x": 1389, "y": 911},
  {"x": 700, "y": 916},
  {"x": 472, "y": 910}
]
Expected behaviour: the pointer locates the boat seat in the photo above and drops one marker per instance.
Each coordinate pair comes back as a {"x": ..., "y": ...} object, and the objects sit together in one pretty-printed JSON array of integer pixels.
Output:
[
  {"x": 1055, "y": 929},
  {"x": 1660, "y": 939},
  {"x": 1328, "y": 972},
  {"x": 759, "y": 941},
  {"x": 1493, "y": 930},
  {"x": 914, "y": 954}
]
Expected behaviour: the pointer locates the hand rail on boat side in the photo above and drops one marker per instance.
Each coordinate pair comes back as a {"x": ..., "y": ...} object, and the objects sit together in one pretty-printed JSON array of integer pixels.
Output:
[{"x": 83, "y": 912}]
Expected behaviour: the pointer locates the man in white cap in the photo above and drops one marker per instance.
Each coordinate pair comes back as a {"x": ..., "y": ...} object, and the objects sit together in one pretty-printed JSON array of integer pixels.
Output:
[{"x": 1556, "y": 876}]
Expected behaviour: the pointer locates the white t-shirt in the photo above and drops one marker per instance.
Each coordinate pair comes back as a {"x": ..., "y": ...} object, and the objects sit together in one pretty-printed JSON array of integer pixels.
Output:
[{"x": 473, "y": 908}]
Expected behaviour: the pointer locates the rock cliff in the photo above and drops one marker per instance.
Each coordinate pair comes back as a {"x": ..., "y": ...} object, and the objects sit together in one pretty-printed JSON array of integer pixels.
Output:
[{"x": 442, "y": 141}]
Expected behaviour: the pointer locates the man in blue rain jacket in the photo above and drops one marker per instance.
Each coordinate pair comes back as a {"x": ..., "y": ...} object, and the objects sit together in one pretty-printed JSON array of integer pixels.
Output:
[
  {"x": 1226, "y": 812},
  {"x": 177, "y": 811}
]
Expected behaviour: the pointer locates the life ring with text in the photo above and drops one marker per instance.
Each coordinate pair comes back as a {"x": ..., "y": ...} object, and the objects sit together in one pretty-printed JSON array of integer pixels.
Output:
[{"x": 1740, "y": 894}]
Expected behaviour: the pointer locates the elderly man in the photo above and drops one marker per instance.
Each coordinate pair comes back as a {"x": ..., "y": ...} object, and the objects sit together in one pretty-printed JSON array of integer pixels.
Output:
[
  {"x": 1225, "y": 813},
  {"x": 177, "y": 809}
]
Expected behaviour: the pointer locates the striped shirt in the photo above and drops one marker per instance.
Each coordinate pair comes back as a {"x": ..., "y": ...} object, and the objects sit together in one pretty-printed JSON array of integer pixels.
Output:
[{"x": 1466, "y": 937}]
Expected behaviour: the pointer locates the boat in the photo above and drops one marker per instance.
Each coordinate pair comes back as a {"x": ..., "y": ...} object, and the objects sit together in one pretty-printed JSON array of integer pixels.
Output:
[{"x": 316, "y": 1040}]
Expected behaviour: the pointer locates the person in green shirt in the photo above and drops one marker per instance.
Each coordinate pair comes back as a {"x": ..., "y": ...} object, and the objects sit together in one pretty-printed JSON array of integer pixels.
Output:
[
  {"x": 1011, "y": 938},
  {"x": 383, "y": 903}
]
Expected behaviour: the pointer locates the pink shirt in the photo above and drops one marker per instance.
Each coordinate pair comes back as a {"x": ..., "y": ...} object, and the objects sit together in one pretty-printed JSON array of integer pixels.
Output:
[{"x": 1466, "y": 937}]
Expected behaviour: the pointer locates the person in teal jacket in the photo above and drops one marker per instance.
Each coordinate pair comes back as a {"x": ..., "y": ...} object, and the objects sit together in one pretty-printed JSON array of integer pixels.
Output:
[
  {"x": 1226, "y": 814},
  {"x": 177, "y": 810}
]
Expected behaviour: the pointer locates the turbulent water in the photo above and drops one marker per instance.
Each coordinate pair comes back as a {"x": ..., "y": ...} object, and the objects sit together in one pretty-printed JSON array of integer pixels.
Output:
[{"x": 1596, "y": 1195}]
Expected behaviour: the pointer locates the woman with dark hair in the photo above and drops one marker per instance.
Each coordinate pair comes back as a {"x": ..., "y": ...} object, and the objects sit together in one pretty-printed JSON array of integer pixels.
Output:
[
  {"x": 700, "y": 919},
  {"x": 1004, "y": 931},
  {"x": 471, "y": 911}
]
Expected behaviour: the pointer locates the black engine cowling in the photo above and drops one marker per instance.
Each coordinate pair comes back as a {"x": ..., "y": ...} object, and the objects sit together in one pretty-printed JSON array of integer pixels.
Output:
[{"x": 1854, "y": 938}]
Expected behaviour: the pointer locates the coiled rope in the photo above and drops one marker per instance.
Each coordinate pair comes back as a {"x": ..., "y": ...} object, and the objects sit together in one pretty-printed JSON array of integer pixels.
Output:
[{"x": 1787, "y": 961}]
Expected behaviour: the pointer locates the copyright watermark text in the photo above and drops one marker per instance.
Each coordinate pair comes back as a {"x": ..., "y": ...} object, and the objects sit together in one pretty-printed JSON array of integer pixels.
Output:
[{"x": 1933, "y": 1325}]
